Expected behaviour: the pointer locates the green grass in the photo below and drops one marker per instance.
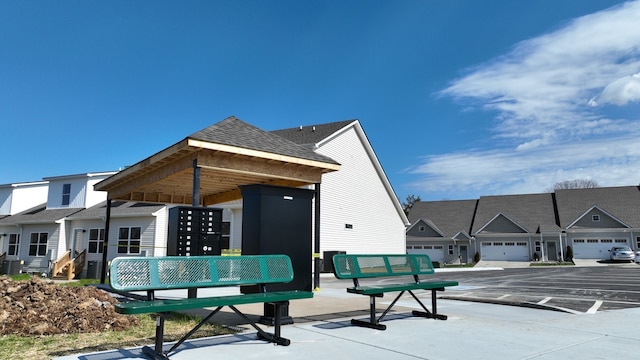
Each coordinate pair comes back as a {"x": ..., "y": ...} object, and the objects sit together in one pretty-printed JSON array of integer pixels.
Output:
[
  {"x": 551, "y": 263},
  {"x": 46, "y": 347}
]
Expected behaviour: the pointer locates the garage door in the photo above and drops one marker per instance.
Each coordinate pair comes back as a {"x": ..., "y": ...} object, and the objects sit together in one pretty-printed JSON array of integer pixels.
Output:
[
  {"x": 435, "y": 252},
  {"x": 505, "y": 251},
  {"x": 595, "y": 248}
]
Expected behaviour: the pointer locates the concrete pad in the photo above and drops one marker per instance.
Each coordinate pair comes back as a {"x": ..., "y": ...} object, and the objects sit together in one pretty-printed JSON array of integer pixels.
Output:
[{"x": 322, "y": 330}]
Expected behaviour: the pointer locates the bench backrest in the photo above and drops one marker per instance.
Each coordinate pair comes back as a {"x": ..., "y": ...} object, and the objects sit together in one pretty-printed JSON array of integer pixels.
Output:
[
  {"x": 180, "y": 272},
  {"x": 349, "y": 266}
]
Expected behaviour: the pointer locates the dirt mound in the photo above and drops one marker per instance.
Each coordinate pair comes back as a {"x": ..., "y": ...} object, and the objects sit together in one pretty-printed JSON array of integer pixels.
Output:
[{"x": 40, "y": 307}]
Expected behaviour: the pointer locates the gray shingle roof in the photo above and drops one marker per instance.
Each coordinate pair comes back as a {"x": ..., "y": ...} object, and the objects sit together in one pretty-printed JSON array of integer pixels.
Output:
[
  {"x": 450, "y": 216},
  {"x": 235, "y": 132},
  {"x": 534, "y": 212},
  {"x": 118, "y": 208},
  {"x": 312, "y": 134},
  {"x": 621, "y": 202},
  {"x": 38, "y": 215}
]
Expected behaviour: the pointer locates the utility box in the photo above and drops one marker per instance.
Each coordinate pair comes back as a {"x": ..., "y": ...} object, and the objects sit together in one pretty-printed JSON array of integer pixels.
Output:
[
  {"x": 93, "y": 269},
  {"x": 278, "y": 220},
  {"x": 328, "y": 260},
  {"x": 194, "y": 231},
  {"x": 12, "y": 267}
]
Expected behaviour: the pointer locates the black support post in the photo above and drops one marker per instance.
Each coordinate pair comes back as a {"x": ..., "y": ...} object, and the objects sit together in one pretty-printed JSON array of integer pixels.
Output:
[
  {"x": 105, "y": 246},
  {"x": 316, "y": 249}
]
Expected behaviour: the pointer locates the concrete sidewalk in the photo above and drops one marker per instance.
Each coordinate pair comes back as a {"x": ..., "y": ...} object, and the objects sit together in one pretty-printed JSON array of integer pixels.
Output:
[{"x": 322, "y": 330}]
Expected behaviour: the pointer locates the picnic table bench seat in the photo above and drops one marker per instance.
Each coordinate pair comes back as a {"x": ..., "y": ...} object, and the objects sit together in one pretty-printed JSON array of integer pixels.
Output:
[
  {"x": 151, "y": 274},
  {"x": 389, "y": 267}
]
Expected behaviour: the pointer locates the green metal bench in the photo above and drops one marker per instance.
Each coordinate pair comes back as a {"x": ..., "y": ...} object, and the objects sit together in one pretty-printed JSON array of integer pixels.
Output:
[
  {"x": 357, "y": 267},
  {"x": 151, "y": 274}
]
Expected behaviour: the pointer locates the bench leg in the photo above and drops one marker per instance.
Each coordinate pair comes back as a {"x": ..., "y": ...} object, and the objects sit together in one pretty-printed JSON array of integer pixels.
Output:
[
  {"x": 185, "y": 337},
  {"x": 156, "y": 352},
  {"x": 426, "y": 313},
  {"x": 373, "y": 322},
  {"x": 263, "y": 335}
]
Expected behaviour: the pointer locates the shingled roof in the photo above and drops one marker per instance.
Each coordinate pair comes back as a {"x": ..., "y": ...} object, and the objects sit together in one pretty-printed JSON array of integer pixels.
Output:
[
  {"x": 118, "y": 209},
  {"x": 229, "y": 154},
  {"x": 38, "y": 215},
  {"x": 621, "y": 202},
  {"x": 534, "y": 212},
  {"x": 450, "y": 216},
  {"x": 312, "y": 134},
  {"x": 235, "y": 132}
]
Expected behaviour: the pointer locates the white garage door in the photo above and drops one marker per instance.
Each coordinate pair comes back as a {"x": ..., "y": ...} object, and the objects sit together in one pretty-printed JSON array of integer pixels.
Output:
[
  {"x": 435, "y": 252},
  {"x": 595, "y": 248},
  {"x": 505, "y": 250}
]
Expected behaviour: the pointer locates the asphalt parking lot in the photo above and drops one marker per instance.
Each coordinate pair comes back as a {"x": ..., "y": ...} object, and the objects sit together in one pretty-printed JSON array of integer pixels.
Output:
[{"x": 564, "y": 288}]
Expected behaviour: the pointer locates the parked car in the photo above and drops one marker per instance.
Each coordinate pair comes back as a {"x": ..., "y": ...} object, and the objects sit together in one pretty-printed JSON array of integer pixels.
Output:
[
  {"x": 621, "y": 253},
  {"x": 638, "y": 256}
]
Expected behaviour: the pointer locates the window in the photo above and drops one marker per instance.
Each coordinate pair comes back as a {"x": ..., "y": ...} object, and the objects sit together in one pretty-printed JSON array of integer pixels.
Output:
[
  {"x": 38, "y": 244},
  {"x": 226, "y": 235},
  {"x": 14, "y": 244},
  {"x": 592, "y": 241},
  {"x": 129, "y": 240},
  {"x": 621, "y": 241},
  {"x": 595, "y": 217},
  {"x": 439, "y": 247},
  {"x": 421, "y": 228},
  {"x": 607, "y": 241},
  {"x": 509, "y": 243},
  {"x": 66, "y": 194},
  {"x": 521, "y": 243},
  {"x": 578, "y": 241},
  {"x": 450, "y": 249},
  {"x": 348, "y": 226},
  {"x": 96, "y": 241}
]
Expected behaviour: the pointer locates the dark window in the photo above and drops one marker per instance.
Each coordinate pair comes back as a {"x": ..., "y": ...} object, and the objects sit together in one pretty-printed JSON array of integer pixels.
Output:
[
  {"x": 129, "y": 240},
  {"x": 96, "y": 241},
  {"x": 226, "y": 235},
  {"x": 38, "y": 244},
  {"x": 66, "y": 194},
  {"x": 14, "y": 244}
]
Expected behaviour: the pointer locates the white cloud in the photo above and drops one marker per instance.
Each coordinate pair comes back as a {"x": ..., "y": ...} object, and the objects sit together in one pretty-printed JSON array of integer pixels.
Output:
[
  {"x": 547, "y": 86},
  {"x": 549, "y": 93},
  {"x": 620, "y": 91}
]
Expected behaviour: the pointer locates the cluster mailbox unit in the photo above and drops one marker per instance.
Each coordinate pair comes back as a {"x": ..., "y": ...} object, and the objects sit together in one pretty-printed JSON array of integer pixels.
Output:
[{"x": 194, "y": 231}]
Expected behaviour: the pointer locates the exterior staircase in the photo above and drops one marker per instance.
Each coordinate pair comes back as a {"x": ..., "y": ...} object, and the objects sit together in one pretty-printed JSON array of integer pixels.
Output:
[{"x": 69, "y": 267}]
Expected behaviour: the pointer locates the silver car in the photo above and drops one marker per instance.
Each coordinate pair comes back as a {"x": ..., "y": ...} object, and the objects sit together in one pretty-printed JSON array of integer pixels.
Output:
[{"x": 621, "y": 253}]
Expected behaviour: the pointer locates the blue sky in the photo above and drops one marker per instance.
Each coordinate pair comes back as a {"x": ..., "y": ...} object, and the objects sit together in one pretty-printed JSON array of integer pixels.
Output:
[{"x": 459, "y": 99}]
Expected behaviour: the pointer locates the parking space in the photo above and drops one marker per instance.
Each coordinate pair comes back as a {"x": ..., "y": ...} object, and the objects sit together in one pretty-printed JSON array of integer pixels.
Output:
[{"x": 566, "y": 288}]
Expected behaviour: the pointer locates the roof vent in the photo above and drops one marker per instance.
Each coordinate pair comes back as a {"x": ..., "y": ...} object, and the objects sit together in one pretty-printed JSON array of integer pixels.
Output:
[{"x": 313, "y": 129}]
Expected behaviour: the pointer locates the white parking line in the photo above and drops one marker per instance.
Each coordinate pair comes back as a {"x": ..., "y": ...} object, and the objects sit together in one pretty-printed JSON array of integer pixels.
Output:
[
  {"x": 595, "y": 307},
  {"x": 544, "y": 301}
]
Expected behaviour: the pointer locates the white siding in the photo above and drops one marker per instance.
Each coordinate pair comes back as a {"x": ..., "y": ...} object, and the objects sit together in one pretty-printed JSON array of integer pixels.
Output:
[
  {"x": 356, "y": 195},
  {"x": 147, "y": 235},
  {"x": 94, "y": 197},
  {"x": 78, "y": 193},
  {"x": 16, "y": 198},
  {"x": 161, "y": 226}
]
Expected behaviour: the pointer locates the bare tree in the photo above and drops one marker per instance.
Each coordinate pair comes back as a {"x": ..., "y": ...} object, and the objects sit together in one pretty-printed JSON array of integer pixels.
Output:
[
  {"x": 574, "y": 184},
  {"x": 408, "y": 203}
]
